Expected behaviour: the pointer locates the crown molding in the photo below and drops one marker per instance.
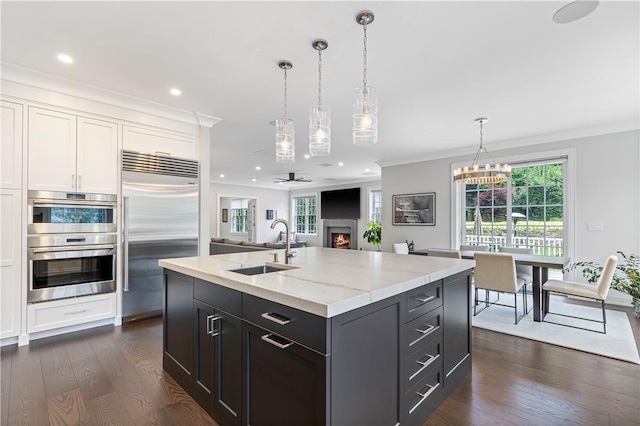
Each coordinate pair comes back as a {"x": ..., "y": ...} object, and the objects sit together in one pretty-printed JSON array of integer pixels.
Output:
[{"x": 29, "y": 77}]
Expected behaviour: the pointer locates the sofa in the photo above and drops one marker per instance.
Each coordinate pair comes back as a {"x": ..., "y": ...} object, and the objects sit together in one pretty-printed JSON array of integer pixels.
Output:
[{"x": 226, "y": 245}]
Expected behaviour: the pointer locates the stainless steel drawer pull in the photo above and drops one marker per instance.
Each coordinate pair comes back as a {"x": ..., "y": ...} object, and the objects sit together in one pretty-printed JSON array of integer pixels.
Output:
[
  {"x": 278, "y": 319},
  {"x": 211, "y": 319},
  {"x": 423, "y": 299},
  {"x": 424, "y": 395},
  {"x": 268, "y": 338},
  {"x": 75, "y": 312},
  {"x": 428, "y": 330},
  {"x": 428, "y": 361},
  {"x": 424, "y": 364}
]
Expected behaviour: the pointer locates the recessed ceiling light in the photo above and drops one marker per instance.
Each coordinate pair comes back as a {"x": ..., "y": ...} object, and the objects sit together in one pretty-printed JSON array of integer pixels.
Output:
[
  {"x": 258, "y": 168},
  {"x": 221, "y": 176},
  {"x": 307, "y": 156},
  {"x": 65, "y": 58},
  {"x": 574, "y": 11},
  {"x": 175, "y": 91},
  {"x": 367, "y": 170},
  {"x": 253, "y": 179},
  {"x": 341, "y": 164},
  {"x": 280, "y": 183}
]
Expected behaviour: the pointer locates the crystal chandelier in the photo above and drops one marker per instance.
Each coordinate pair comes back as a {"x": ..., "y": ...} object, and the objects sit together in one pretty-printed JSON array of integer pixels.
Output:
[
  {"x": 486, "y": 174},
  {"x": 365, "y": 107},
  {"x": 285, "y": 132},
  {"x": 320, "y": 118}
]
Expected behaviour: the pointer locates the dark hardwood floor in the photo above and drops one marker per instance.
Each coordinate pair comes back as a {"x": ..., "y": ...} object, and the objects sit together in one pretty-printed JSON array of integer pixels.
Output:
[{"x": 114, "y": 376}]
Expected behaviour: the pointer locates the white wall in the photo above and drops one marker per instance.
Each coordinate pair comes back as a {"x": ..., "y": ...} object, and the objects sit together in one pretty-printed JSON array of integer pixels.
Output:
[
  {"x": 266, "y": 199},
  {"x": 607, "y": 191},
  {"x": 317, "y": 241}
]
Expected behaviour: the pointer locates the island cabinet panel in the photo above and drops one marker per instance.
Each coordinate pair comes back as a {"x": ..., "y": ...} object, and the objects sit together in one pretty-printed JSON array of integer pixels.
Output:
[
  {"x": 457, "y": 329},
  {"x": 178, "y": 335},
  {"x": 251, "y": 361},
  {"x": 217, "y": 369},
  {"x": 364, "y": 365},
  {"x": 285, "y": 383}
]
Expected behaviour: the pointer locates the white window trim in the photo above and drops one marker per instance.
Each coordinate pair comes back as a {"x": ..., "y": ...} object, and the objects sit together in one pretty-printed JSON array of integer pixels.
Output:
[
  {"x": 370, "y": 189},
  {"x": 569, "y": 190},
  {"x": 292, "y": 211}
]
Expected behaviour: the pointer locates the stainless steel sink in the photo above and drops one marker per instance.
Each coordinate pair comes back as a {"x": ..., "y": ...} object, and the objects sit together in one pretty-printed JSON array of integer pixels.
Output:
[{"x": 257, "y": 270}]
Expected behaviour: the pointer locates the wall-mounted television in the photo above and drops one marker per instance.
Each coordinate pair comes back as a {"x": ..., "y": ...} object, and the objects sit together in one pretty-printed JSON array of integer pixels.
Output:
[{"x": 340, "y": 204}]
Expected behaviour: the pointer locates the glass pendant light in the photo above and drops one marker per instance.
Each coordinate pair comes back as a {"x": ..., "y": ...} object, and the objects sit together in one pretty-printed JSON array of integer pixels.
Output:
[
  {"x": 285, "y": 132},
  {"x": 489, "y": 173},
  {"x": 365, "y": 107},
  {"x": 320, "y": 118}
]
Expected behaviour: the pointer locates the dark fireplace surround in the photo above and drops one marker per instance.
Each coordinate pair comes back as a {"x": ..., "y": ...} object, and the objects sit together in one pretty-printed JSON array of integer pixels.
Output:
[{"x": 348, "y": 228}]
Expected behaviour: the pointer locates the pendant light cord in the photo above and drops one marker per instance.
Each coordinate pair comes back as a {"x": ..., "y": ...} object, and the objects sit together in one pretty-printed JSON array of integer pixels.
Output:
[
  {"x": 319, "y": 77},
  {"x": 285, "y": 95},
  {"x": 364, "y": 55}
]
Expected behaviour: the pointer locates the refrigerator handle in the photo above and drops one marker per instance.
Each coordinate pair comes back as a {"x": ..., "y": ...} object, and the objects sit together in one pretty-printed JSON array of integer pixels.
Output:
[{"x": 125, "y": 238}]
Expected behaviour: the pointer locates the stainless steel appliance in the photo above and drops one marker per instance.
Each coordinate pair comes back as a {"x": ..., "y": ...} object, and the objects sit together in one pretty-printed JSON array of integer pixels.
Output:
[
  {"x": 51, "y": 212},
  {"x": 160, "y": 221},
  {"x": 70, "y": 265}
]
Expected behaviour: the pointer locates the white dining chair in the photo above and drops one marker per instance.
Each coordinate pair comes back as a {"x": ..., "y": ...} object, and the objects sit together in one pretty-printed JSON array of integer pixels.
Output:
[
  {"x": 400, "y": 248},
  {"x": 597, "y": 292},
  {"x": 467, "y": 247},
  {"x": 443, "y": 253},
  {"x": 522, "y": 271},
  {"x": 497, "y": 272}
]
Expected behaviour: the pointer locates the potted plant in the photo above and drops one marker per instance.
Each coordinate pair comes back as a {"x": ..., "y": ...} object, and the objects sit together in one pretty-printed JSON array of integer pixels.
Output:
[
  {"x": 625, "y": 279},
  {"x": 373, "y": 234}
]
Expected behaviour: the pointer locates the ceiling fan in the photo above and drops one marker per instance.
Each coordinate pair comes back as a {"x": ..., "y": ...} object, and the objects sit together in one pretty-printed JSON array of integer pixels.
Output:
[{"x": 292, "y": 178}]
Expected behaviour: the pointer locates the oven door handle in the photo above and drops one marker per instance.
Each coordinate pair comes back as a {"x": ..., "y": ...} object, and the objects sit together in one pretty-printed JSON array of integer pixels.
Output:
[
  {"x": 125, "y": 243},
  {"x": 74, "y": 203},
  {"x": 97, "y": 247}
]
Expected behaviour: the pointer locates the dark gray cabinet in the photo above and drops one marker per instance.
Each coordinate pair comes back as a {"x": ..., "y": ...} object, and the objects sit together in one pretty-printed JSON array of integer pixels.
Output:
[
  {"x": 217, "y": 366},
  {"x": 256, "y": 362},
  {"x": 285, "y": 383}
]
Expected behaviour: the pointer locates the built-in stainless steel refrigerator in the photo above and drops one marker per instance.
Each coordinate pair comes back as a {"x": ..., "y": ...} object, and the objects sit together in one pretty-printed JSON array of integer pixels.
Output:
[{"x": 159, "y": 221}]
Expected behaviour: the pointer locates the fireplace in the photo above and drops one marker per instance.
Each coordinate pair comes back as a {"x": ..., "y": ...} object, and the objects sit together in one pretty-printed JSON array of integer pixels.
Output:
[{"x": 340, "y": 233}]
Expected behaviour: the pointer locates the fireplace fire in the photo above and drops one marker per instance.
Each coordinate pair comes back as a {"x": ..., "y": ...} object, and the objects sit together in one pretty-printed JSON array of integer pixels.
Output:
[{"x": 341, "y": 241}]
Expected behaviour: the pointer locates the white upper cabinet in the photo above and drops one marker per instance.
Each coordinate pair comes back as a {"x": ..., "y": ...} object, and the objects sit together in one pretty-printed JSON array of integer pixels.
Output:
[
  {"x": 97, "y": 156},
  {"x": 11, "y": 155},
  {"x": 162, "y": 143},
  {"x": 70, "y": 153}
]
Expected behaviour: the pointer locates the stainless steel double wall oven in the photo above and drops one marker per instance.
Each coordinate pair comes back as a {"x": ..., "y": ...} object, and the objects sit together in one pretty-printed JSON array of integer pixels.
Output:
[{"x": 71, "y": 244}]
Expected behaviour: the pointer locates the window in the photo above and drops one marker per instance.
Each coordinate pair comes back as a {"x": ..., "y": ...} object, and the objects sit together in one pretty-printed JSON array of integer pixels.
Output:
[
  {"x": 375, "y": 205},
  {"x": 239, "y": 211},
  {"x": 527, "y": 211},
  {"x": 304, "y": 215}
]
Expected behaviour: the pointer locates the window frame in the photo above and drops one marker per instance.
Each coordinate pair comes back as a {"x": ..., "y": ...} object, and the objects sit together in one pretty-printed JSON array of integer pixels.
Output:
[
  {"x": 370, "y": 202},
  {"x": 569, "y": 184},
  {"x": 293, "y": 224}
]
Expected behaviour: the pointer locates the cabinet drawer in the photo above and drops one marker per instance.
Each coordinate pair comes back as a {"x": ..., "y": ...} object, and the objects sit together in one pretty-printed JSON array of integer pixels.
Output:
[
  {"x": 223, "y": 298},
  {"x": 423, "y": 299},
  {"x": 423, "y": 328},
  {"x": 66, "y": 312},
  {"x": 422, "y": 361},
  {"x": 302, "y": 327},
  {"x": 423, "y": 398}
]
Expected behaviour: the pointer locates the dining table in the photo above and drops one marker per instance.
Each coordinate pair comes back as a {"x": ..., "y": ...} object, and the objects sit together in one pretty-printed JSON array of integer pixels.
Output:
[{"x": 540, "y": 266}]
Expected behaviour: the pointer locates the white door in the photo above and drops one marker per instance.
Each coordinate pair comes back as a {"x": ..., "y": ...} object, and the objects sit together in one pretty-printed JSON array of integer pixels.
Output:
[
  {"x": 97, "y": 156},
  {"x": 10, "y": 262},
  {"x": 52, "y": 150}
]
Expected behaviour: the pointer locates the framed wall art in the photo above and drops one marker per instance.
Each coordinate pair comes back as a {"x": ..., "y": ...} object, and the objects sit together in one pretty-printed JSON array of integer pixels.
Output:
[{"x": 414, "y": 209}]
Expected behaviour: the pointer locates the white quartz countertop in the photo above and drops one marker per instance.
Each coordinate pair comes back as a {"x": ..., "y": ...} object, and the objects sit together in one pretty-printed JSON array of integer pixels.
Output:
[{"x": 322, "y": 281}]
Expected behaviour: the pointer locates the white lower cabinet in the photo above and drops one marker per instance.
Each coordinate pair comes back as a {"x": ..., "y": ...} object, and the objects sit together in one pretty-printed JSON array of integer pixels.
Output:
[
  {"x": 10, "y": 262},
  {"x": 67, "y": 312}
]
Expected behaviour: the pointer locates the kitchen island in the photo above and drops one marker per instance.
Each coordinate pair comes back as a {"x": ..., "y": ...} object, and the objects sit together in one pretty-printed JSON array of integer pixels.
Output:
[{"x": 337, "y": 337}]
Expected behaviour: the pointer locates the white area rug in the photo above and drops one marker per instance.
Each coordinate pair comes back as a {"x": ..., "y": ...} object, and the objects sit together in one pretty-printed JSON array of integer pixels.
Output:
[{"x": 618, "y": 343}]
